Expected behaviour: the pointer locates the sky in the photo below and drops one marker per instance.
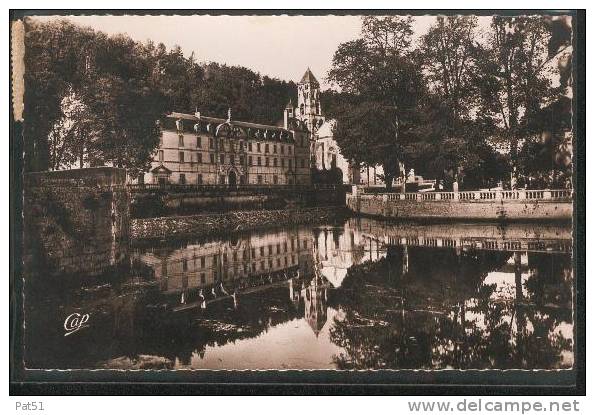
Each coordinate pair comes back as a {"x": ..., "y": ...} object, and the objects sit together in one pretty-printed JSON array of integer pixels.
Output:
[{"x": 277, "y": 46}]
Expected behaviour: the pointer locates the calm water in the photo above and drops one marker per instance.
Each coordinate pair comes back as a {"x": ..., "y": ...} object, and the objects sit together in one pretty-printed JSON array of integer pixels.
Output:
[{"x": 361, "y": 295}]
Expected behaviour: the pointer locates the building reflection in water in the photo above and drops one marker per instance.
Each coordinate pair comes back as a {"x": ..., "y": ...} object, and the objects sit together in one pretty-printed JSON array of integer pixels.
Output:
[{"x": 369, "y": 295}]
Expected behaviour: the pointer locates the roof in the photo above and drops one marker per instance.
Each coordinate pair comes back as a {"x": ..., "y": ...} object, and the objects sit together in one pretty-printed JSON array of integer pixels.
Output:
[
  {"x": 326, "y": 129},
  {"x": 309, "y": 78},
  {"x": 161, "y": 168},
  {"x": 221, "y": 121}
]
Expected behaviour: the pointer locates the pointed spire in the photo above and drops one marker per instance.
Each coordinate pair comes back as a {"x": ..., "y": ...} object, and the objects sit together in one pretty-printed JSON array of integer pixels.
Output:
[{"x": 309, "y": 78}]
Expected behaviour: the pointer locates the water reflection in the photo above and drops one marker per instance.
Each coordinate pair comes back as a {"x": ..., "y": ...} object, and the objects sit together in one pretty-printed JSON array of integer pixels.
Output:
[{"x": 362, "y": 295}]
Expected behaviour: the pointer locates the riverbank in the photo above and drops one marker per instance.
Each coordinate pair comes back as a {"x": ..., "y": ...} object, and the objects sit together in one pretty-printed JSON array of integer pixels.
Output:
[{"x": 177, "y": 227}]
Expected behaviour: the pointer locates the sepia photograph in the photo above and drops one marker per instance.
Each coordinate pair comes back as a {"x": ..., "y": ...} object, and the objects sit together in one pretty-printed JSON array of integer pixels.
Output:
[{"x": 347, "y": 195}]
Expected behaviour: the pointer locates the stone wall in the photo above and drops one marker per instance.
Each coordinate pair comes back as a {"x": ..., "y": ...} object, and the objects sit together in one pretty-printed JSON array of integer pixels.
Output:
[
  {"x": 203, "y": 225},
  {"x": 376, "y": 205},
  {"x": 156, "y": 203},
  {"x": 75, "y": 221}
]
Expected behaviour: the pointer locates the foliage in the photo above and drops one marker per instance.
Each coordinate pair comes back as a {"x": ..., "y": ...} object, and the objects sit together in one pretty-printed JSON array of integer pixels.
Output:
[
  {"x": 122, "y": 88},
  {"x": 383, "y": 77},
  {"x": 514, "y": 76},
  {"x": 447, "y": 57}
]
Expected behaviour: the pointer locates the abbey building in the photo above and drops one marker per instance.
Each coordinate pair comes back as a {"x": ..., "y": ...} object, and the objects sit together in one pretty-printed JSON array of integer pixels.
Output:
[{"x": 199, "y": 149}]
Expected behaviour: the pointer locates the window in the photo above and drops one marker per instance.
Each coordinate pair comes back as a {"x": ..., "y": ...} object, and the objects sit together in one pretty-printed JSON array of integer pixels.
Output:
[
  {"x": 212, "y": 158},
  {"x": 202, "y": 261},
  {"x": 253, "y": 252},
  {"x": 221, "y": 179},
  {"x": 202, "y": 278},
  {"x": 181, "y": 156},
  {"x": 199, "y": 179},
  {"x": 262, "y": 251},
  {"x": 249, "y": 146},
  {"x": 275, "y": 179},
  {"x": 258, "y": 161},
  {"x": 180, "y": 141},
  {"x": 184, "y": 264},
  {"x": 161, "y": 155},
  {"x": 282, "y": 149},
  {"x": 259, "y": 179},
  {"x": 232, "y": 159},
  {"x": 278, "y": 248},
  {"x": 249, "y": 160},
  {"x": 222, "y": 145},
  {"x": 266, "y": 162},
  {"x": 282, "y": 162},
  {"x": 289, "y": 149},
  {"x": 198, "y": 141},
  {"x": 199, "y": 157},
  {"x": 182, "y": 178},
  {"x": 275, "y": 162},
  {"x": 258, "y": 147},
  {"x": 266, "y": 148},
  {"x": 275, "y": 148},
  {"x": 222, "y": 158},
  {"x": 242, "y": 160},
  {"x": 289, "y": 164},
  {"x": 211, "y": 143}
]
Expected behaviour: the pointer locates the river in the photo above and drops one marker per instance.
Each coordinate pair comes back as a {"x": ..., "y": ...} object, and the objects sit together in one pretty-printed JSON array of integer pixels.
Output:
[{"x": 356, "y": 295}]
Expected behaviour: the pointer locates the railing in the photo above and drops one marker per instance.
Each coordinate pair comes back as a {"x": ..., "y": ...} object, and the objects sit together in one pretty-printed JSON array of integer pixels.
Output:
[
  {"x": 481, "y": 196},
  {"x": 223, "y": 188}
]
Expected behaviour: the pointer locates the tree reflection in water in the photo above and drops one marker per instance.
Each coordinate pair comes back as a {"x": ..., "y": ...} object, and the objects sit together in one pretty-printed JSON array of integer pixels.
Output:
[
  {"x": 430, "y": 308},
  {"x": 319, "y": 297}
]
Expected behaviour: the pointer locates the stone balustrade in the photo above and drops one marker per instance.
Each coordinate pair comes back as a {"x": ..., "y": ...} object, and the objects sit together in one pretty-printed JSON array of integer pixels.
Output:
[
  {"x": 483, "y": 195},
  {"x": 555, "y": 204}
]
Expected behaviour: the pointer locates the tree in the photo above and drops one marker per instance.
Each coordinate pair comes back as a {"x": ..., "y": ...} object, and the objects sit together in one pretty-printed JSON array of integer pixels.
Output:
[
  {"x": 365, "y": 132},
  {"x": 514, "y": 76},
  {"x": 72, "y": 134},
  {"x": 382, "y": 74},
  {"x": 447, "y": 51},
  {"x": 122, "y": 88}
]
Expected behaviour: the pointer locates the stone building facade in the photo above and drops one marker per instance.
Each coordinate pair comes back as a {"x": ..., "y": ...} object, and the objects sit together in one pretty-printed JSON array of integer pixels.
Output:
[{"x": 197, "y": 149}]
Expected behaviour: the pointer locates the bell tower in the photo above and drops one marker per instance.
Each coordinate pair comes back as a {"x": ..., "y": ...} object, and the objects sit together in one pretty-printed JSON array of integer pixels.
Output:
[{"x": 309, "y": 109}]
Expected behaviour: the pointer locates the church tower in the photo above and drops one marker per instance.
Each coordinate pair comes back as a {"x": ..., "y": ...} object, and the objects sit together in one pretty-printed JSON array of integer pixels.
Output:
[{"x": 309, "y": 109}]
